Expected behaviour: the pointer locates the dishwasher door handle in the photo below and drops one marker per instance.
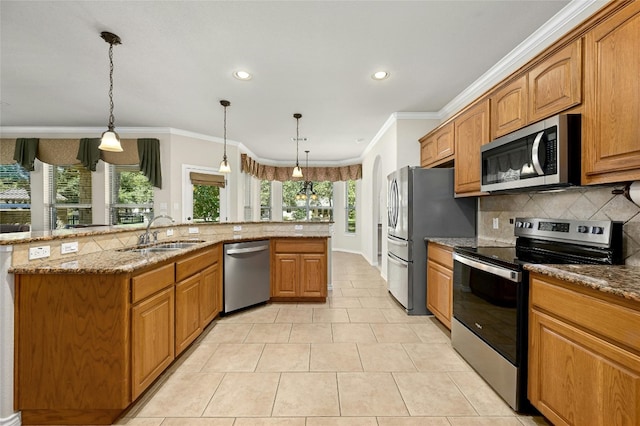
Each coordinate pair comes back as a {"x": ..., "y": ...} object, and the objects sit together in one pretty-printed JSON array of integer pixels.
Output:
[{"x": 248, "y": 250}]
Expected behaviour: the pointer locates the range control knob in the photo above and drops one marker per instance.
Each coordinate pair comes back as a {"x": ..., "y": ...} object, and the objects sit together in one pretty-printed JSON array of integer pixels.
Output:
[
  {"x": 597, "y": 230},
  {"x": 528, "y": 225},
  {"x": 518, "y": 224},
  {"x": 583, "y": 229}
]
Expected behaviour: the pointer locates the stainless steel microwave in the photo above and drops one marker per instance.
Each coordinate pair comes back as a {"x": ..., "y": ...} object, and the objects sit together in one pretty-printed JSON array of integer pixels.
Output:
[{"x": 543, "y": 155}]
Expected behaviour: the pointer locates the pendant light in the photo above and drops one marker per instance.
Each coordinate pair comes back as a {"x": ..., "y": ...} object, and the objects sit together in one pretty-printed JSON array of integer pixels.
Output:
[
  {"x": 307, "y": 187},
  {"x": 224, "y": 165},
  {"x": 110, "y": 141},
  {"x": 297, "y": 171}
]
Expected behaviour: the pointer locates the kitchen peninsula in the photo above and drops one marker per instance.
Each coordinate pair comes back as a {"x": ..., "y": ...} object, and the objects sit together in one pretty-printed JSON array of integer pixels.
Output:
[{"x": 112, "y": 318}]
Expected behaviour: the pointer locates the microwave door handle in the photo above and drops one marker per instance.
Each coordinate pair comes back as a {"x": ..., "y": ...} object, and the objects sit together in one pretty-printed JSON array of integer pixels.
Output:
[{"x": 534, "y": 154}]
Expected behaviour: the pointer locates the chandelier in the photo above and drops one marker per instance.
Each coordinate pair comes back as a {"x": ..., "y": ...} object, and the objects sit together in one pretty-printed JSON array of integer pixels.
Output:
[{"x": 307, "y": 187}]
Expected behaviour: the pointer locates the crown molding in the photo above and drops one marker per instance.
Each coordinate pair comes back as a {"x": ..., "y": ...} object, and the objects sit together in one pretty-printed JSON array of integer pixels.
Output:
[{"x": 560, "y": 24}]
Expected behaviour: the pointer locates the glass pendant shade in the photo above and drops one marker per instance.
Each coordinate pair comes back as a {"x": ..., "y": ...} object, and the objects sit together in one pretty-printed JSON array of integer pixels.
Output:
[
  {"x": 297, "y": 172},
  {"x": 224, "y": 167},
  {"x": 110, "y": 141}
]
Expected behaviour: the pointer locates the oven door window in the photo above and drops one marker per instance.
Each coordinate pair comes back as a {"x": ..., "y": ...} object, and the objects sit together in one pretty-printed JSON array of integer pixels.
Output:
[{"x": 487, "y": 305}]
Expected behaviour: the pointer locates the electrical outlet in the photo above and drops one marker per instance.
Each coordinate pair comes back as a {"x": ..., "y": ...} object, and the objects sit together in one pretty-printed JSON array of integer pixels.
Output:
[
  {"x": 39, "y": 252},
  {"x": 297, "y": 227},
  {"x": 169, "y": 232},
  {"x": 496, "y": 223},
  {"x": 71, "y": 247},
  {"x": 194, "y": 230},
  {"x": 237, "y": 228}
]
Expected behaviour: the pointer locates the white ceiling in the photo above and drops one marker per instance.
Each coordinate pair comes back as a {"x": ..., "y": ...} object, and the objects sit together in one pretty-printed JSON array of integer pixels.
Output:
[{"x": 313, "y": 57}]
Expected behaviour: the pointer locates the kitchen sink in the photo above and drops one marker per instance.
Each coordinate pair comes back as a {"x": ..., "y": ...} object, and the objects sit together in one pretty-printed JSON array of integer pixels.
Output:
[
  {"x": 163, "y": 247},
  {"x": 178, "y": 244}
]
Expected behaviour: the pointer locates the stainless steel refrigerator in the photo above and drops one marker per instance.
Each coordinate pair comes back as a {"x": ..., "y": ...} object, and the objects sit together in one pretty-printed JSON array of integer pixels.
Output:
[{"x": 420, "y": 204}]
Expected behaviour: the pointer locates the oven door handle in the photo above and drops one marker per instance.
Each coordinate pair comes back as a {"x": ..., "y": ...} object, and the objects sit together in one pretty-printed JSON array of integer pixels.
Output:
[{"x": 508, "y": 274}]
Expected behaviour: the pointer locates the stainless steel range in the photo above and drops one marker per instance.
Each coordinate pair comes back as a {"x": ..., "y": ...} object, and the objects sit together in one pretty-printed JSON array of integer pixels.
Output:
[{"x": 491, "y": 288}]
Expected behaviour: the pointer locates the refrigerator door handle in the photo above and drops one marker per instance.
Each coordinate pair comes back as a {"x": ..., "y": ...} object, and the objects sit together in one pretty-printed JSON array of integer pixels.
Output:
[
  {"x": 397, "y": 241},
  {"x": 397, "y": 260}
]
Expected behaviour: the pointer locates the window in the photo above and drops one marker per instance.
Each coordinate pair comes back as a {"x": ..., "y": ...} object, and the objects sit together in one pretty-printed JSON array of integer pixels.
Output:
[
  {"x": 206, "y": 203},
  {"x": 131, "y": 195},
  {"x": 350, "y": 206},
  {"x": 296, "y": 207},
  {"x": 265, "y": 200},
  {"x": 248, "y": 199},
  {"x": 15, "y": 194},
  {"x": 70, "y": 195}
]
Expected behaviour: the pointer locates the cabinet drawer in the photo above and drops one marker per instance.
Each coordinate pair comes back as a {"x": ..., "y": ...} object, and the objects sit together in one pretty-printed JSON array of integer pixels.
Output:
[
  {"x": 442, "y": 255},
  {"x": 150, "y": 282},
  {"x": 612, "y": 322},
  {"x": 196, "y": 263},
  {"x": 300, "y": 246}
]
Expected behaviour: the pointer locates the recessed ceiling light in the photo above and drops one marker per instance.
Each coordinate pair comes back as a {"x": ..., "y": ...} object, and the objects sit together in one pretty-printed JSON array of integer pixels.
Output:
[
  {"x": 380, "y": 75},
  {"x": 242, "y": 75}
]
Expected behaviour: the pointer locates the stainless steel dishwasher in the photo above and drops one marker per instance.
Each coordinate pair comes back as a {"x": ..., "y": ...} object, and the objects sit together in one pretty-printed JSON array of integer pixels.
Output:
[{"x": 246, "y": 274}]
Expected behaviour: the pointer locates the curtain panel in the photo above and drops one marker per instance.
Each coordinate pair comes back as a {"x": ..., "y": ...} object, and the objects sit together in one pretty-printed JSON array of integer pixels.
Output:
[
  {"x": 207, "y": 179},
  {"x": 283, "y": 174}
]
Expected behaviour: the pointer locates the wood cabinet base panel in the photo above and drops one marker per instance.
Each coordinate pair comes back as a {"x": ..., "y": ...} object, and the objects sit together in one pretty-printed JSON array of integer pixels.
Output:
[
  {"x": 70, "y": 417},
  {"x": 299, "y": 299}
]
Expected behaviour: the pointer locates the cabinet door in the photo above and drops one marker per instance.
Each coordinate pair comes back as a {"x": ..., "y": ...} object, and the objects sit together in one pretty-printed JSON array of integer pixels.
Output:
[
  {"x": 438, "y": 147},
  {"x": 313, "y": 275},
  {"x": 211, "y": 281},
  {"x": 152, "y": 340},
  {"x": 573, "y": 382},
  {"x": 611, "y": 148},
  {"x": 509, "y": 107},
  {"x": 285, "y": 278},
  {"x": 188, "y": 325},
  {"x": 440, "y": 292},
  {"x": 556, "y": 83},
  {"x": 471, "y": 132}
]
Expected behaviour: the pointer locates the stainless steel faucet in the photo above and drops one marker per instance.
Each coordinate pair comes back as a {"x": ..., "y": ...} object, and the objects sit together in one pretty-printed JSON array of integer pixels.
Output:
[{"x": 144, "y": 238}]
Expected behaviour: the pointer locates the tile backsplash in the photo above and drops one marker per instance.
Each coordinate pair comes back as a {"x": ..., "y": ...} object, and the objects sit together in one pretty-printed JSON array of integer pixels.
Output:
[{"x": 576, "y": 203}]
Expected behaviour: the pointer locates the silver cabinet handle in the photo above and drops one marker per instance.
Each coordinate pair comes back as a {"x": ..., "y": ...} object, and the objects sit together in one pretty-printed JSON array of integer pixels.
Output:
[
  {"x": 394, "y": 260},
  {"x": 534, "y": 154},
  {"x": 247, "y": 250},
  {"x": 508, "y": 274},
  {"x": 397, "y": 241}
]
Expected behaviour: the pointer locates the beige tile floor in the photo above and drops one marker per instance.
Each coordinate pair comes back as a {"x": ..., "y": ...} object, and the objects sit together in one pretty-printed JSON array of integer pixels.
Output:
[{"x": 357, "y": 359}]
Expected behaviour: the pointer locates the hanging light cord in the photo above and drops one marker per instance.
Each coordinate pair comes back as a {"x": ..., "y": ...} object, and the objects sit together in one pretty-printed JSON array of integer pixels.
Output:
[
  {"x": 111, "y": 119},
  {"x": 297, "y": 139},
  {"x": 224, "y": 157}
]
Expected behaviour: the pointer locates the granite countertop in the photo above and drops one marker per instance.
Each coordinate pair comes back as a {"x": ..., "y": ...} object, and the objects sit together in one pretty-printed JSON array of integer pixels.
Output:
[
  {"x": 117, "y": 261},
  {"x": 466, "y": 242},
  {"x": 619, "y": 280}
]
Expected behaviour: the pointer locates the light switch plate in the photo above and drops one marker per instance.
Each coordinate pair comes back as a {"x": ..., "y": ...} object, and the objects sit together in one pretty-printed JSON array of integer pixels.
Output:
[
  {"x": 39, "y": 252},
  {"x": 496, "y": 223},
  {"x": 194, "y": 230},
  {"x": 71, "y": 247},
  {"x": 237, "y": 228},
  {"x": 169, "y": 232},
  {"x": 298, "y": 227}
]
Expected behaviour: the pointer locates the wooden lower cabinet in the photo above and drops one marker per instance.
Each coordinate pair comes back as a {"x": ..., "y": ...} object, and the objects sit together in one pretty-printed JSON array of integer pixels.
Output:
[
  {"x": 440, "y": 282},
  {"x": 152, "y": 339},
  {"x": 72, "y": 348},
  {"x": 584, "y": 355},
  {"x": 210, "y": 294},
  {"x": 188, "y": 324},
  {"x": 299, "y": 269}
]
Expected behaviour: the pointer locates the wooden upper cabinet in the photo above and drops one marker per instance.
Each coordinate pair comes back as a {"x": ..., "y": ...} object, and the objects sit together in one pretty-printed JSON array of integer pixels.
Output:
[
  {"x": 611, "y": 115},
  {"x": 555, "y": 84},
  {"x": 471, "y": 132},
  {"x": 437, "y": 147},
  {"x": 509, "y": 107}
]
